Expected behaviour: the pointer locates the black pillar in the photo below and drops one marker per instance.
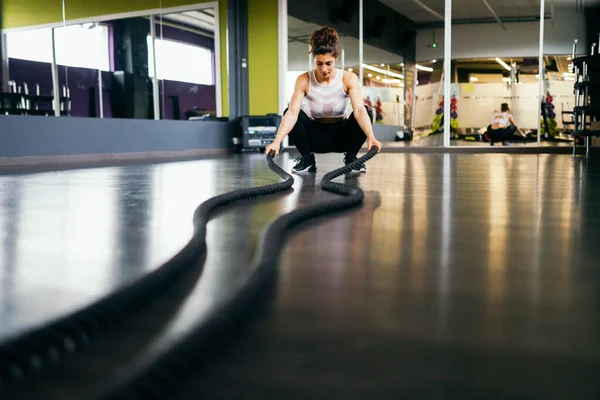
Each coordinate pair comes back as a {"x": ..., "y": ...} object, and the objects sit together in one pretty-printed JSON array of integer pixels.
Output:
[
  {"x": 133, "y": 99},
  {"x": 592, "y": 29},
  {"x": 237, "y": 24}
]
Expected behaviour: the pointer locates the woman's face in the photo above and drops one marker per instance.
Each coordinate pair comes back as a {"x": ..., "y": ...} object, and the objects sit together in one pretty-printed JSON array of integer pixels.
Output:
[{"x": 325, "y": 64}]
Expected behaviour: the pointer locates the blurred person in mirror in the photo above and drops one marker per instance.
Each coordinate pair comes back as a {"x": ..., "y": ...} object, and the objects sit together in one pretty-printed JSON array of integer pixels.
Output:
[{"x": 503, "y": 127}]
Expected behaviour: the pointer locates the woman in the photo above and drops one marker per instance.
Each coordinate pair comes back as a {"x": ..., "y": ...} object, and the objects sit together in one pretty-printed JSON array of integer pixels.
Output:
[
  {"x": 317, "y": 119},
  {"x": 500, "y": 130}
]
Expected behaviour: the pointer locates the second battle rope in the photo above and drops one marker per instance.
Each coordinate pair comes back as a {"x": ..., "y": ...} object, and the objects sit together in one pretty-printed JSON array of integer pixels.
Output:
[{"x": 169, "y": 373}]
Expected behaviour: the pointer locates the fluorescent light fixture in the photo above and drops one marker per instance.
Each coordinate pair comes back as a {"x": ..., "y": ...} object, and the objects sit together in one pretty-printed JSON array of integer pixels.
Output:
[
  {"x": 383, "y": 65},
  {"x": 402, "y": 64},
  {"x": 434, "y": 61},
  {"x": 378, "y": 78},
  {"x": 370, "y": 75},
  {"x": 505, "y": 65},
  {"x": 569, "y": 58},
  {"x": 473, "y": 79},
  {"x": 388, "y": 80},
  {"x": 422, "y": 68},
  {"x": 350, "y": 69},
  {"x": 383, "y": 71}
]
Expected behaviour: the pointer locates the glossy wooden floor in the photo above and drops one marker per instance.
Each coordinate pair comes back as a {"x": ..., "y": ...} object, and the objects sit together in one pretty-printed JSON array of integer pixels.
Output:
[{"x": 463, "y": 276}]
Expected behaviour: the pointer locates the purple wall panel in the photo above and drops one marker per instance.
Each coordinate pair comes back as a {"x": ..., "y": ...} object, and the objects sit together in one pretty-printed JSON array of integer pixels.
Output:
[
  {"x": 191, "y": 97},
  {"x": 80, "y": 80}
]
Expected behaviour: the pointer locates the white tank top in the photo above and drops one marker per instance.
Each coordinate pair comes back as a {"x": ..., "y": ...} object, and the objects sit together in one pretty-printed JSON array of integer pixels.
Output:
[
  {"x": 326, "y": 100},
  {"x": 500, "y": 118}
]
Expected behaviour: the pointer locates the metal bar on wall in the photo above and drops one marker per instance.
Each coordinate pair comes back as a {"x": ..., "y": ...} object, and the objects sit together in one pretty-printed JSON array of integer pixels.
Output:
[
  {"x": 513, "y": 87},
  {"x": 3, "y": 66},
  {"x": 155, "y": 91},
  {"x": 447, "y": 72},
  {"x": 55, "y": 85},
  {"x": 413, "y": 124},
  {"x": 100, "y": 94},
  {"x": 217, "y": 58},
  {"x": 360, "y": 40},
  {"x": 541, "y": 73},
  {"x": 5, "y": 76},
  {"x": 282, "y": 16}
]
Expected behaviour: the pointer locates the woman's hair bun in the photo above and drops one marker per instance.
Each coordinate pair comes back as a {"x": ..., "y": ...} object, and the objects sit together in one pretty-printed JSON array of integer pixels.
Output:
[{"x": 324, "y": 41}]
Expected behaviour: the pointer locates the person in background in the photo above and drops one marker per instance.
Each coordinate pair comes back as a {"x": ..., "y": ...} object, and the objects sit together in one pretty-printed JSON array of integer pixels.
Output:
[
  {"x": 503, "y": 127},
  {"x": 379, "y": 111}
]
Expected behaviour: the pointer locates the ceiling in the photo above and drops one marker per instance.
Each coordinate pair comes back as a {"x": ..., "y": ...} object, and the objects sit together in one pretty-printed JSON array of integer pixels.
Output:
[
  {"x": 427, "y": 11},
  {"x": 299, "y": 33}
]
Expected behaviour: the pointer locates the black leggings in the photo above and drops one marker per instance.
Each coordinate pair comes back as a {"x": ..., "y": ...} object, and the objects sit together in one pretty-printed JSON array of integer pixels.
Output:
[
  {"x": 501, "y": 134},
  {"x": 340, "y": 137}
]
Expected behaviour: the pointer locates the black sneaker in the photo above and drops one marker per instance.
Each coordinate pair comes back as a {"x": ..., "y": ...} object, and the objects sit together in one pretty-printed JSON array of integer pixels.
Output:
[
  {"x": 305, "y": 163},
  {"x": 358, "y": 168}
]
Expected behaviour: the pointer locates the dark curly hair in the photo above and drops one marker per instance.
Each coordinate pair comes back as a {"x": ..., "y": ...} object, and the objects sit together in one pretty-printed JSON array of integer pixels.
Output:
[{"x": 324, "y": 41}]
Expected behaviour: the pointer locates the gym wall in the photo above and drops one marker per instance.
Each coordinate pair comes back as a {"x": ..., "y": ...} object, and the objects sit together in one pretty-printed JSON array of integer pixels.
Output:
[{"x": 263, "y": 59}]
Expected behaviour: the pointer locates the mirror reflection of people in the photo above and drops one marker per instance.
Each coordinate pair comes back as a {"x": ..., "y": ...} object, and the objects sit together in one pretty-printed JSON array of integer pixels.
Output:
[
  {"x": 379, "y": 111},
  {"x": 503, "y": 127},
  {"x": 317, "y": 119}
]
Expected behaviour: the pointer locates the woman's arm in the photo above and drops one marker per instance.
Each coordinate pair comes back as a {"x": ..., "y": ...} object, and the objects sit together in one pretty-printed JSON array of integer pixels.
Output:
[
  {"x": 291, "y": 116},
  {"x": 512, "y": 121}
]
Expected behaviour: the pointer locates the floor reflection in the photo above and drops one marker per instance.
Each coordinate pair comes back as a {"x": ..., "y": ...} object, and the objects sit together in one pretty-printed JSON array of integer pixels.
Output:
[{"x": 456, "y": 263}]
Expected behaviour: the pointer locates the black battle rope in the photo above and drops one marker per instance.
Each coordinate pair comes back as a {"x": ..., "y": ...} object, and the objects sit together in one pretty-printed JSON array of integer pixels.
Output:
[
  {"x": 169, "y": 373},
  {"x": 40, "y": 347}
]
